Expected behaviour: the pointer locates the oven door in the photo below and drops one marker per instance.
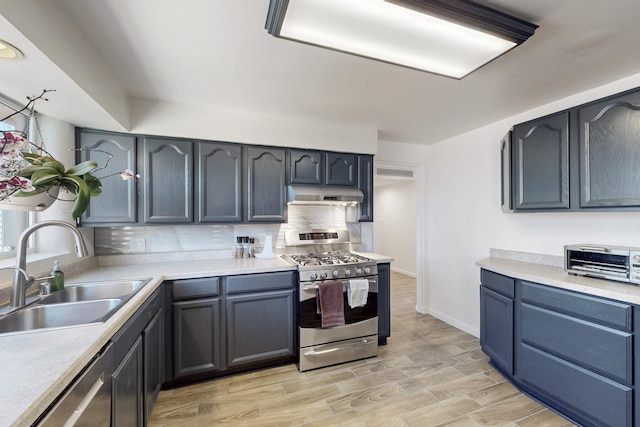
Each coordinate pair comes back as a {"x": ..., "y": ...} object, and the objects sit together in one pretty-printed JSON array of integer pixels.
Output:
[{"x": 359, "y": 321}]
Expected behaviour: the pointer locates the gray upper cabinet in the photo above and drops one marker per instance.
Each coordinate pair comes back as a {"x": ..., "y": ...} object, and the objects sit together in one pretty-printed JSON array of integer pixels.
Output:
[
  {"x": 610, "y": 152},
  {"x": 167, "y": 180},
  {"x": 305, "y": 167},
  {"x": 541, "y": 163},
  {"x": 341, "y": 169},
  {"x": 114, "y": 153},
  {"x": 218, "y": 172},
  {"x": 265, "y": 185},
  {"x": 365, "y": 184}
]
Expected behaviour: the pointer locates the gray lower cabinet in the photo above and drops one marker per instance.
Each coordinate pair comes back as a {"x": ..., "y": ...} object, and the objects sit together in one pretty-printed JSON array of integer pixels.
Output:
[
  {"x": 138, "y": 364},
  {"x": 541, "y": 163},
  {"x": 167, "y": 181},
  {"x": 218, "y": 182},
  {"x": 609, "y": 133},
  {"x": 571, "y": 351},
  {"x": 265, "y": 185},
  {"x": 497, "y": 294},
  {"x": 384, "y": 302},
  {"x": 234, "y": 323},
  {"x": 114, "y": 153}
]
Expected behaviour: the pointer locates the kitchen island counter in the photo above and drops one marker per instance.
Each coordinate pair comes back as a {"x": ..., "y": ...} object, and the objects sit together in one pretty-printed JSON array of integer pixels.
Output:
[{"x": 38, "y": 365}]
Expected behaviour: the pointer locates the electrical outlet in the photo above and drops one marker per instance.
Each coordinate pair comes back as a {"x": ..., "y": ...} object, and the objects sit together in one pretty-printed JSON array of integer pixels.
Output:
[{"x": 137, "y": 245}]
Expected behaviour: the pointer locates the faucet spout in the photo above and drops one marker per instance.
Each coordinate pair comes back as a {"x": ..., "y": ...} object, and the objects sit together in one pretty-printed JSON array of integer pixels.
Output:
[{"x": 21, "y": 278}]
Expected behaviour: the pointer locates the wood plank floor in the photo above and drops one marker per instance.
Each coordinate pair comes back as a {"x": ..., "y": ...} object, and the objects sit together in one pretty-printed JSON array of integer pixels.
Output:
[{"x": 429, "y": 374}]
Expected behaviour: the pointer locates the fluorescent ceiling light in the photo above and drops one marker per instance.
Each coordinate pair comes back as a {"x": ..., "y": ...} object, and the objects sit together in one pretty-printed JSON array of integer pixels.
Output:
[
  {"x": 447, "y": 37},
  {"x": 7, "y": 51}
]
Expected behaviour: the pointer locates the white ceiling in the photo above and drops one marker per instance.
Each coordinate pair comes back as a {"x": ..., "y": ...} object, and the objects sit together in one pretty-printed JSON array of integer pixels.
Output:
[{"x": 104, "y": 56}]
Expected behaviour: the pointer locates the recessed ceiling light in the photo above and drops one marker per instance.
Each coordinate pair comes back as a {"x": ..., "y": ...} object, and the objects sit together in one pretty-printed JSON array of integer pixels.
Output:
[
  {"x": 8, "y": 51},
  {"x": 451, "y": 38}
]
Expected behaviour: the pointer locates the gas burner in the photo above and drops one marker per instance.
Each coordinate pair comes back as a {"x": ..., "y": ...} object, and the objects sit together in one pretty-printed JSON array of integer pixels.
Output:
[{"x": 328, "y": 258}]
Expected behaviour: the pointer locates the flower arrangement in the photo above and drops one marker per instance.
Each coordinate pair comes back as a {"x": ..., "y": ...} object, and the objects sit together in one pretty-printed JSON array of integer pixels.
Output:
[{"x": 27, "y": 170}]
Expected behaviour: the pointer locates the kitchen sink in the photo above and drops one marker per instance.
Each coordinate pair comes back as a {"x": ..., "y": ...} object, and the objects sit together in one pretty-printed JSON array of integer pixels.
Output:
[
  {"x": 77, "y": 304},
  {"x": 123, "y": 290},
  {"x": 59, "y": 315}
]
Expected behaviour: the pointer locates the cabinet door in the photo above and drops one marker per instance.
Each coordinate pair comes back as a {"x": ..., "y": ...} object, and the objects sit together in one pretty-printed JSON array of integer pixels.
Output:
[
  {"x": 365, "y": 184},
  {"x": 167, "y": 180},
  {"x": 541, "y": 163},
  {"x": 506, "y": 174},
  {"x": 610, "y": 152},
  {"x": 218, "y": 182},
  {"x": 260, "y": 326},
  {"x": 127, "y": 398},
  {"x": 341, "y": 169},
  {"x": 384, "y": 302},
  {"x": 305, "y": 167},
  {"x": 152, "y": 337},
  {"x": 197, "y": 342},
  {"x": 265, "y": 192},
  {"x": 496, "y": 328},
  {"x": 114, "y": 153}
]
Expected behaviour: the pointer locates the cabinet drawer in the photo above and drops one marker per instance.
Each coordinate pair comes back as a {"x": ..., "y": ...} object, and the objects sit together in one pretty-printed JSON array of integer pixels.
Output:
[
  {"x": 497, "y": 282},
  {"x": 596, "y": 347},
  {"x": 260, "y": 282},
  {"x": 196, "y": 288},
  {"x": 583, "y": 395},
  {"x": 605, "y": 312}
]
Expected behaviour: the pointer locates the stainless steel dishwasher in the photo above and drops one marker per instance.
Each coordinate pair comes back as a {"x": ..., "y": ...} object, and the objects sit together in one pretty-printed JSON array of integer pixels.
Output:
[{"x": 87, "y": 402}]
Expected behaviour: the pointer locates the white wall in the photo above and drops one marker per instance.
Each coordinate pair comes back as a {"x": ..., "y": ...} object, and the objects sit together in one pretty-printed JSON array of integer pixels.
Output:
[
  {"x": 464, "y": 219},
  {"x": 394, "y": 228}
]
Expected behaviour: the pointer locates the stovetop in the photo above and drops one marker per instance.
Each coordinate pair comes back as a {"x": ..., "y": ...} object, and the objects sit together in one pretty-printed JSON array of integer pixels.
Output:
[
  {"x": 327, "y": 258},
  {"x": 332, "y": 265}
]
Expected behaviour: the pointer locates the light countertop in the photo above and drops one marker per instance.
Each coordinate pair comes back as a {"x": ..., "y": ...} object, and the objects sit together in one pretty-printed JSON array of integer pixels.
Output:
[
  {"x": 36, "y": 366},
  {"x": 554, "y": 275}
]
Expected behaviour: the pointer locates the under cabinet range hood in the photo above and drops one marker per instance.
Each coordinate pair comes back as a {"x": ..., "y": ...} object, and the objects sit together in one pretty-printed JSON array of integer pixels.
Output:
[{"x": 323, "y": 195}]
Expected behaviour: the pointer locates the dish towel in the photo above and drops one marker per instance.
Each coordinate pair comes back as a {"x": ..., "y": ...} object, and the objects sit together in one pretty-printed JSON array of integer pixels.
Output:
[
  {"x": 331, "y": 303},
  {"x": 358, "y": 292}
]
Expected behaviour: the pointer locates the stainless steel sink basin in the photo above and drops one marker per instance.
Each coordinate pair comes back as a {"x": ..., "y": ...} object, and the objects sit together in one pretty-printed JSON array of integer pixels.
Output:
[
  {"x": 123, "y": 289},
  {"x": 78, "y": 304},
  {"x": 59, "y": 315}
]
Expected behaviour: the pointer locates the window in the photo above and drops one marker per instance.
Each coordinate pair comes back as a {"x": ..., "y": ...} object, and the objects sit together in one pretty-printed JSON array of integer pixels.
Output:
[{"x": 12, "y": 223}]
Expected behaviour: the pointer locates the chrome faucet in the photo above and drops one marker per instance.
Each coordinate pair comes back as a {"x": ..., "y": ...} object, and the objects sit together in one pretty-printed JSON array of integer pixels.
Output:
[{"x": 21, "y": 280}]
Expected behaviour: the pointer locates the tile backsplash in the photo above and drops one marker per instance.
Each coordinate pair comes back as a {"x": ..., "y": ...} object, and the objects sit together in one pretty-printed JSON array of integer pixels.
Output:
[{"x": 217, "y": 237}]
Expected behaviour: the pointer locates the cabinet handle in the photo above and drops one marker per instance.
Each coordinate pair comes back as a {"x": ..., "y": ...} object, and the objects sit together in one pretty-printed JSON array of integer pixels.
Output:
[
  {"x": 346, "y": 347},
  {"x": 84, "y": 403},
  {"x": 595, "y": 248}
]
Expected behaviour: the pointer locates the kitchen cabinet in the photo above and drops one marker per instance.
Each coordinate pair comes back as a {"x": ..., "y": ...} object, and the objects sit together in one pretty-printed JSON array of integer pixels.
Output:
[
  {"x": 365, "y": 184},
  {"x": 167, "y": 181},
  {"x": 197, "y": 317},
  {"x": 506, "y": 162},
  {"x": 341, "y": 169},
  {"x": 305, "y": 167},
  {"x": 114, "y": 153},
  {"x": 573, "y": 352},
  {"x": 138, "y": 364},
  {"x": 218, "y": 172},
  {"x": 260, "y": 320},
  {"x": 230, "y": 324},
  {"x": 384, "y": 302},
  {"x": 497, "y": 294},
  {"x": 541, "y": 163},
  {"x": 265, "y": 186},
  {"x": 609, "y": 135}
]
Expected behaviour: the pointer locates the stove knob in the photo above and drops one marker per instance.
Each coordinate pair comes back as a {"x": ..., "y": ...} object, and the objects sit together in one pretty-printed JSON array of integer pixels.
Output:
[
  {"x": 313, "y": 276},
  {"x": 347, "y": 273},
  {"x": 336, "y": 274},
  {"x": 323, "y": 275},
  {"x": 367, "y": 270},
  {"x": 359, "y": 271},
  {"x": 636, "y": 258}
]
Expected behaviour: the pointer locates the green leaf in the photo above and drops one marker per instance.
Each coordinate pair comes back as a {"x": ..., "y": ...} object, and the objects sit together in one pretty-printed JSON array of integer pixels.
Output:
[
  {"x": 82, "y": 168},
  {"x": 82, "y": 195},
  {"x": 93, "y": 183},
  {"x": 44, "y": 176}
]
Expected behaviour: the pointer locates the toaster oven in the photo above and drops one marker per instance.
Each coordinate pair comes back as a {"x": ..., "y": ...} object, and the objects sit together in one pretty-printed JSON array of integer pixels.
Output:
[{"x": 604, "y": 262}]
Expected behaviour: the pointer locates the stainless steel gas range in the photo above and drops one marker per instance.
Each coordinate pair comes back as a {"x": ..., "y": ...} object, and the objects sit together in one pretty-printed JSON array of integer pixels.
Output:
[{"x": 324, "y": 262}]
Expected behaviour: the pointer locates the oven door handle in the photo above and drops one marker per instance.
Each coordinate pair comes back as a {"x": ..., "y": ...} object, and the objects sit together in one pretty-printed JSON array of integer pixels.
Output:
[
  {"x": 365, "y": 341},
  {"x": 313, "y": 287}
]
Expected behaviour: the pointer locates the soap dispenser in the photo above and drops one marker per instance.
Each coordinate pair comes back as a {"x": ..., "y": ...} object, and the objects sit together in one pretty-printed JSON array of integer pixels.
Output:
[{"x": 57, "y": 280}]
